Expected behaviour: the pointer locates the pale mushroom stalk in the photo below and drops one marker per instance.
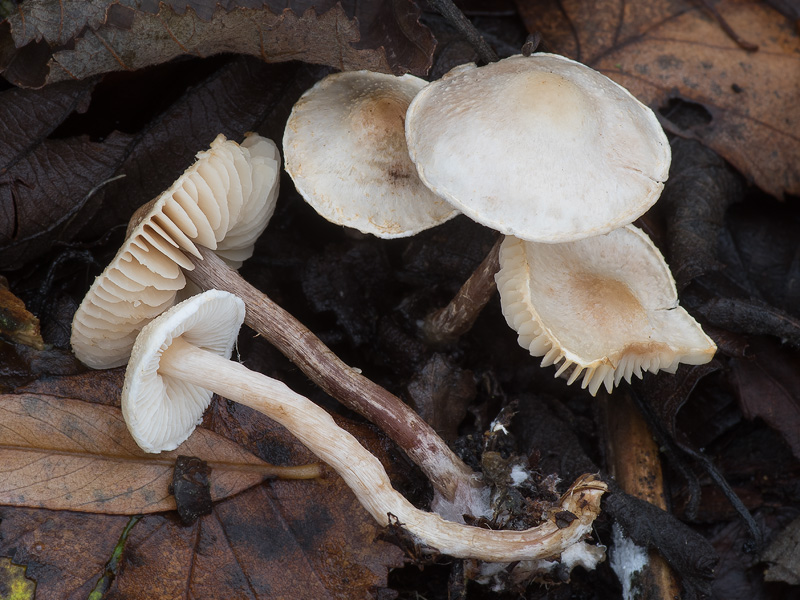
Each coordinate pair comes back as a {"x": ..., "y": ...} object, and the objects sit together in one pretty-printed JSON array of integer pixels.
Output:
[
  {"x": 168, "y": 347},
  {"x": 447, "y": 473},
  {"x": 450, "y": 322}
]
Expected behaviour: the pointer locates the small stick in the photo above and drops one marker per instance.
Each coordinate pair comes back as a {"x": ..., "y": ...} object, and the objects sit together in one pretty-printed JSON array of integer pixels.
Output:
[
  {"x": 633, "y": 460},
  {"x": 464, "y": 26},
  {"x": 454, "y": 320},
  {"x": 448, "y": 474}
]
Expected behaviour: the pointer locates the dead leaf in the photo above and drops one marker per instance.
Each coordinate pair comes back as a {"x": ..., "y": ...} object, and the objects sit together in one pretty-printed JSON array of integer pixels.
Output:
[
  {"x": 98, "y": 387},
  {"x": 674, "y": 49},
  {"x": 81, "y": 39},
  {"x": 68, "y": 454},
  {"x": 283, "y": 539},
  {"x": 783, "y": 556},
  {"x": 768, "y": 386},
  {"x": 65, "y": 552},
  {"x": 44, "y": 183},
  {"x": 16, "y": 323}
]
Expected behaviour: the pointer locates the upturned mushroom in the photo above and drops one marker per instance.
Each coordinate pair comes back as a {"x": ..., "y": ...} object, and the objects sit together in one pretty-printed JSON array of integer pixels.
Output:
[
  {"x": 605, "y": 307},
  {"x": 223, "y": 202},
  {"x": 206, "y": 222},
  {"x": 181, "y": 358},
  {"x": 345, "y": 149}
]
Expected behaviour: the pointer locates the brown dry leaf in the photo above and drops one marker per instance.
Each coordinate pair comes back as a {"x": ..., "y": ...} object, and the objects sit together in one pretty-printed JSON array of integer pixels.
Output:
[
  {"x": 98, "y": 387},
  {"x": 72, "y": 455},
  {"x": 768, "y": 386},
  {"x": 304, "y": 540},
  {"x": 16, "y": 323},
  {"x": 64, "y": 552},
  {"x": 46, "y": 42},
  {"x": 669, "y": 49},
  {"x": 282, "y": 539}
]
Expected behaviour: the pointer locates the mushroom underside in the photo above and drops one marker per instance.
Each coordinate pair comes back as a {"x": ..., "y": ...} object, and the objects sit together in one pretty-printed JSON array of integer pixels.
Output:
[{"x": 605, "y": 307}]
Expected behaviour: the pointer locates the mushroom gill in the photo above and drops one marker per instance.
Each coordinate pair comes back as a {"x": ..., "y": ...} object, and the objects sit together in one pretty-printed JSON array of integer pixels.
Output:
[
  {"x": 223, "y": 201},
  {"x": 605, "y": 307}
]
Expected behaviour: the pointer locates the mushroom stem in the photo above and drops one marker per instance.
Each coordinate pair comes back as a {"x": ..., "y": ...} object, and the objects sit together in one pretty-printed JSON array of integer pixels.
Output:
[
  {"x": 448, "y": 474},
  {"x": 454, "y": 320},
  {"x": 364, "y": 473}
]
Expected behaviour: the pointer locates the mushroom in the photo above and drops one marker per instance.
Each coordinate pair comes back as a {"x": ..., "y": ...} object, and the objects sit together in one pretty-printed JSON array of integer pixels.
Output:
[
  {"x": 345, "y": 149},
  {"x": 605, "y": 306},
  {"x": 181, "y": 358},
  {"x": 540, "y": 147},
  {"x": 223, "y": 201}
]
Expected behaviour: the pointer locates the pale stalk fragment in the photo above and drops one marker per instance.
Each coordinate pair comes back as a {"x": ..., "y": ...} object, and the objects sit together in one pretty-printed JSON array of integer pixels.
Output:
[{"x": 454, "y": 320}]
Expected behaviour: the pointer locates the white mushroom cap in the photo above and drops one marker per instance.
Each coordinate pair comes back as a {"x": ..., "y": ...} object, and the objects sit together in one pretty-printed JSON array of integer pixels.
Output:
[
  {"x": 345, "y": 149},
  {"x": 223, "y": 201},
  {"x": 540, "y": 147},
  {"x": 606, "y": 306},
  {"x": 160, "y": 411}
]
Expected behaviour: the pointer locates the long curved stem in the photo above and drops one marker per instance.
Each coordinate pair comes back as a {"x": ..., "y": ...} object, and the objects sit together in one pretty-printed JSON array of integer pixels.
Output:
[
  {"x": 448, "y": 474},
  {"x": 365, "y": 475}
]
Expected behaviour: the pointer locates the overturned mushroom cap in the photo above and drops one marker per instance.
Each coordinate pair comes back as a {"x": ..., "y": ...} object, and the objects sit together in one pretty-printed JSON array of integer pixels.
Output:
[
  {"x": 223, "y": 202},
  {"x": 605, "y": 306},
  {"x": 161, "y": 411},
  {"x": 540, "y": 147},
  {"x": 345, "y": 149}
]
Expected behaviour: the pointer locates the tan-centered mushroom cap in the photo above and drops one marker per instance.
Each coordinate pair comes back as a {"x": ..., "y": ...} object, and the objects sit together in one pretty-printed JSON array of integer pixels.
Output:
[
  {"x": 345, "y": 150},
  {"x": 539, "y": 147},
  {"x": 223, "y": 202},
  {"x": 161, "y": 412},
  {"x": 605, "y": 306}
]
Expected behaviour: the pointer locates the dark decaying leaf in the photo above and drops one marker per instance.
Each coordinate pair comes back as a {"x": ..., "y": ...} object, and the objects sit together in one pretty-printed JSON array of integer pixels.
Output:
[
  {"x": 361, "y": 276},
  {"x": 670, "y": 49},
  {"x": 753, "y": 316},
  {"x": 98, "y": 387},
  {"x": 768, "y": 386},
  {"x": 64, "y": 551},
  {"x": 767, "y": 246},
  {"x": 37, "y": 20},
  {"x": 667, "y": 395},
  {"x": 53, "y": 43},
  {"x": 783, "y": 556},
  {"x": 441, "y": 392},
  {"x": 701, "y": 188},
  {"x": 67, "y": 454},
  {"x": 44, "y": 183}
]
